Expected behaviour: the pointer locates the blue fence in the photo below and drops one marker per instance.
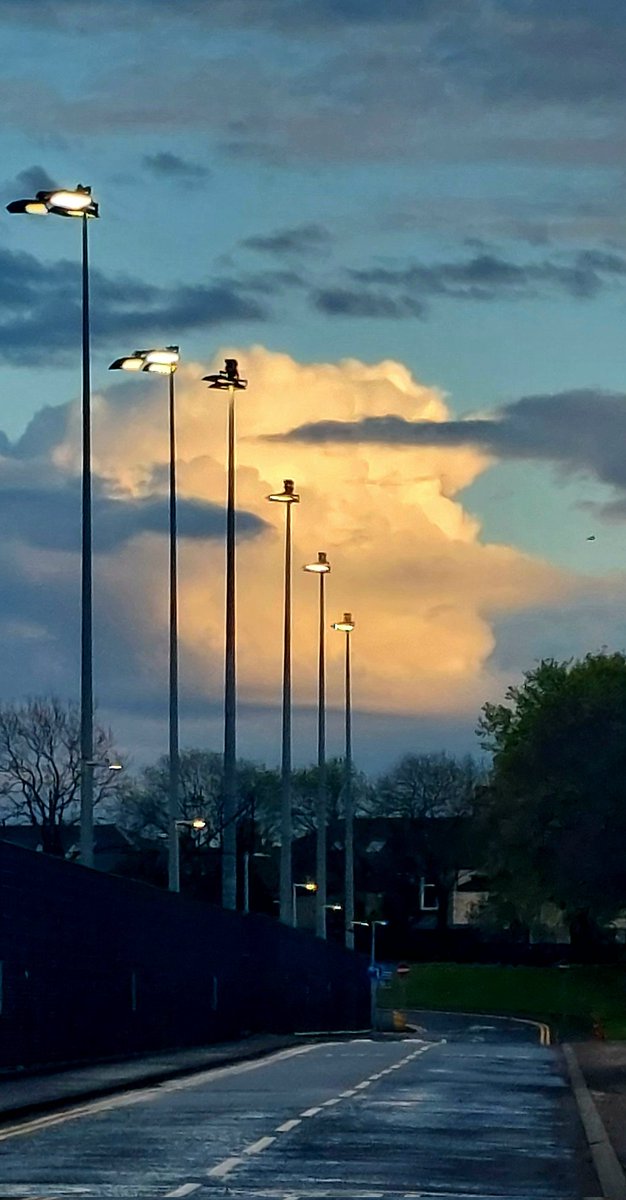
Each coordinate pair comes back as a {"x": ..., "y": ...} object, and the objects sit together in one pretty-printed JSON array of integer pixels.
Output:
[{"x": 94, "y": 966}]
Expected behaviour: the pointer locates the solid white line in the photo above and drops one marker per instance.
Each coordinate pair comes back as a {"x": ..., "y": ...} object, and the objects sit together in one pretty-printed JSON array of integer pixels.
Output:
[
  {"x": 310, "y": 1112},
  {"x": 257, "y": 1147},
  {"x": 288, "y": 1125},
  {"x": 184, "y": 1190},
  {"x": 224, "y": 1167}
]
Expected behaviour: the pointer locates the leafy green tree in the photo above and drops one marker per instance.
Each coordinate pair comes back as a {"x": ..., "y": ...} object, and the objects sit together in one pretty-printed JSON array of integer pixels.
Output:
[{"x": 554, "y": 813}]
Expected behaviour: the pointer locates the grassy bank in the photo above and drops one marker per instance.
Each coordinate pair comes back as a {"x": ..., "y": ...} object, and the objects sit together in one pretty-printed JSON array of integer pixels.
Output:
[{"x": 569, "y": 998}]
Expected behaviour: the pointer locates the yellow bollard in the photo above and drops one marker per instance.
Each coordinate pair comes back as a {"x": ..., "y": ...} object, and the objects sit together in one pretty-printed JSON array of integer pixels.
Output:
[{"x": 399, "y": 1019}]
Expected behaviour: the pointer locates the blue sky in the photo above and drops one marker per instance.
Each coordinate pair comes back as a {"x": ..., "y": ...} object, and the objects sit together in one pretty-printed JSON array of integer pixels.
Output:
[{"x": 431, "y": 182}]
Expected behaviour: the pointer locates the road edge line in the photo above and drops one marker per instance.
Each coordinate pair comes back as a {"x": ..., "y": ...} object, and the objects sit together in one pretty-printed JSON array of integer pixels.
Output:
[{"x": 606, "y": 1163}]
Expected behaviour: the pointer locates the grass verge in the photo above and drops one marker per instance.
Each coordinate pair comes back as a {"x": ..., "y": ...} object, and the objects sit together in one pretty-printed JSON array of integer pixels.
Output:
[{"x": 577, "y": 999}]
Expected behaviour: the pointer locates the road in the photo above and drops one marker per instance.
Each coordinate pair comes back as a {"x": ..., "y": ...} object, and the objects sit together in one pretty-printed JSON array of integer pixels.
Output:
[{"x": 466, "y": 1109}]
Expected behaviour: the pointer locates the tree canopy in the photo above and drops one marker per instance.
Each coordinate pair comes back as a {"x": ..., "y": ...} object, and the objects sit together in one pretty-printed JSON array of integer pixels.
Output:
[{"x": 555, "y": 810}]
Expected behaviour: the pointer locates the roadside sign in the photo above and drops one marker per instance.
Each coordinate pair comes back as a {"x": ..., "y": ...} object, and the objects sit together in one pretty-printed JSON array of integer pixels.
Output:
[
  {"x": 374, "y": 971},
  {"x": 402, "y": 969}
]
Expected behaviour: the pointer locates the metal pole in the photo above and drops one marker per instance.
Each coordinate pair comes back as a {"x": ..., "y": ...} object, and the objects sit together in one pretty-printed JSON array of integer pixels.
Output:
[
  {"x": 246, "y": 881},
  {"x": 86, "y": 639},
  {"x": 229, "y": 844},
  {"x": 320, "y": 866},
  {"x": 348, "y": 810},
  {"x": 287, "y": 902},
  {"x": 174, "y": 755}
]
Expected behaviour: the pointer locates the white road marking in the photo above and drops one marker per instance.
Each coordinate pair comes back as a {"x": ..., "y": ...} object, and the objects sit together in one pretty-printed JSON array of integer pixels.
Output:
[
  {"x": 185, "y": 1189},
  {"x": 224, "y": 1168},
  {"x": 359, "y": 1086},
  {"x": 349, "y": 1092},
  {"x": 289, "y": 1125},
  {"x": 143, "y": 1095},
  {"x": 258, "y": 1147},
  {"x": 310, "y": 1112},
  {"x": 329, "y": 1103}
]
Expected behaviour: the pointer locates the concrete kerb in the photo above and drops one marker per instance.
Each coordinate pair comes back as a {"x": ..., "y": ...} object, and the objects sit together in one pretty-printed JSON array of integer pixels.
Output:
[{"x": 605, "y": 1161}]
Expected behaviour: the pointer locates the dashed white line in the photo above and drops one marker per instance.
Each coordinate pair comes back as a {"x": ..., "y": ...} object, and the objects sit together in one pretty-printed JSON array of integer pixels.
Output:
[
  {"x": 258, "y": 1147},
  {"x": 310, "y": 1112},
  {"x": 225, "y": 1167},
  {"x": 329, "y": 1103},
  {"x": 185, "y": 1189},
  {"x": 289, "y": 1125},
  {"x": 359, "y": 1086}
]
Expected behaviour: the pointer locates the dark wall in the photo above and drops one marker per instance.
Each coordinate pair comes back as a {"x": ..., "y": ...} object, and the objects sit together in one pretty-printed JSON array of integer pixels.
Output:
[{"x": 94, "y": 965}]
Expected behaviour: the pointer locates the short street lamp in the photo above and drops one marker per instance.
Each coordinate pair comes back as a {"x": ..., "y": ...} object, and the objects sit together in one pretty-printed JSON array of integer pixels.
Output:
[
  {"x": 78, "y": 202},
  {"x": 373, "y": 971},
  {"x": 309, "y": 886},
  {"x": 346, "y": 626},
  {"x": 287, "y": 905},
  {"x": 321, "y": 568},
  {"x": 230, "y": 381},
  {"x": 165, "y": 362}
]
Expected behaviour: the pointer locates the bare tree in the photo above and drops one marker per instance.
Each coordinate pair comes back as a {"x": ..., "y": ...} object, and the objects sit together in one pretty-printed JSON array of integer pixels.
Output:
[
  {"x": 40, "y": 766},
  {"x": 428, "y": 785}
]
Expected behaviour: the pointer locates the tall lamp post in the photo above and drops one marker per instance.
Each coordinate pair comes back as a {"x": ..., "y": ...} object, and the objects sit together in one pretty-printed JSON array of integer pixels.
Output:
[
  {"x": 229, "y": 380},
  {"x": 321, "y": 568},
  {"x": 287, "y": 908},
  {"x": 165, "y": 362},
  {"x": 346, "y": 626},
  {"x": 78, "y": 202}
]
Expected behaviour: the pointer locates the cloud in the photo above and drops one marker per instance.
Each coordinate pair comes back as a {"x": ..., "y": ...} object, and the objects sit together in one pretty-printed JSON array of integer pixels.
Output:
[
  {"x": 27, "y": 183},
  {"x": 405, "y": 555},
  {"x": 395, "y": 292},
  {"x": 384, "y": 81},
  {"x": 40, "y": 318},
  {"x": 581, "y": 431},
  {"x": 301, "y": 239},
  {"x": 166, "y": 165}
]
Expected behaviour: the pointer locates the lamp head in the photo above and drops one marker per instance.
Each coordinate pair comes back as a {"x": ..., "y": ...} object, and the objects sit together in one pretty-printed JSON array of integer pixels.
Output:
[
  {"x": 228, "y": 378},
  {"x": 321, "y": 567},
  {"x": 288, "y": 495},
  {"x": 159, "y": 362},
  {"x": 62, "y": 202},
  {"x": 345, "y": 626}
]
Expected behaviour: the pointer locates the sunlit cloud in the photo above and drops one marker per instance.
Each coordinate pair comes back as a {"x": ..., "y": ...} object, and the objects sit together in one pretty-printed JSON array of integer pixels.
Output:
[{"x": 406, "y": 557}]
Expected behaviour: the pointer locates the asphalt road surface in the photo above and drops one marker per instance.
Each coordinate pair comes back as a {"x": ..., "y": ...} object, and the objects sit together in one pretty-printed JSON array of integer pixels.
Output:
[{"x": 467, "y": 1109}]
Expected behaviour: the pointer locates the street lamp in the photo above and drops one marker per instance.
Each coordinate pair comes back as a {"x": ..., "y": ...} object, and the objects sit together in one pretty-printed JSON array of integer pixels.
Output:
[
  {"x": 346, "y": 626},
  {"x": 192, "y": 825},
  {"x": 373, "y": 972},
  {"x": 229, "y": 380},
  {"x": 78, "y": 202},
  {"x": 287, "y": 905},
  {"x": 309, "y": 886},
  {"x": 164, "y": 362},
  {"x": 321, "y": 568}
]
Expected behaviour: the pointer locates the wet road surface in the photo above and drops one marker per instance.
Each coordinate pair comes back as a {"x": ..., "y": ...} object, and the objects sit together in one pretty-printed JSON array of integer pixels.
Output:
[{"x": 467, "y": 1109}]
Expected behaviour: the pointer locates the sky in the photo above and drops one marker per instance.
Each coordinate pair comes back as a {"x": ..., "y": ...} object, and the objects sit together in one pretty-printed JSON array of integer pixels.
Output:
[{"x": 406, "y": 222}]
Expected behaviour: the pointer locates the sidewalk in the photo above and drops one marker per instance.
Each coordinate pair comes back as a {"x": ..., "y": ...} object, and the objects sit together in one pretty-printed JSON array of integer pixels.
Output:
[
  {"x": 25, "y": 1095},
  {"x": 603, "y": 1065}
]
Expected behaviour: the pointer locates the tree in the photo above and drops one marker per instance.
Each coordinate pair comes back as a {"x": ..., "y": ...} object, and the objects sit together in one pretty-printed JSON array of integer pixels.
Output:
[
  {"x": 144, "y": 802},
  {"x": 304, "y": 795},
  {"x": 40, "y": 766},
  {"x": 433, "y": 797},
  {"x": 554, "y": 813}
]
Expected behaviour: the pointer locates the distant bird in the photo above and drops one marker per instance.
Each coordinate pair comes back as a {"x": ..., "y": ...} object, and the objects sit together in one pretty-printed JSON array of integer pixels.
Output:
[{"x": 591, "y": 538}]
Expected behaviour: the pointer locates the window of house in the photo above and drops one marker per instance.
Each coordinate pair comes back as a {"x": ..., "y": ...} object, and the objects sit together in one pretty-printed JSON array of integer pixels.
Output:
[{"x": 428, "y": 896}]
